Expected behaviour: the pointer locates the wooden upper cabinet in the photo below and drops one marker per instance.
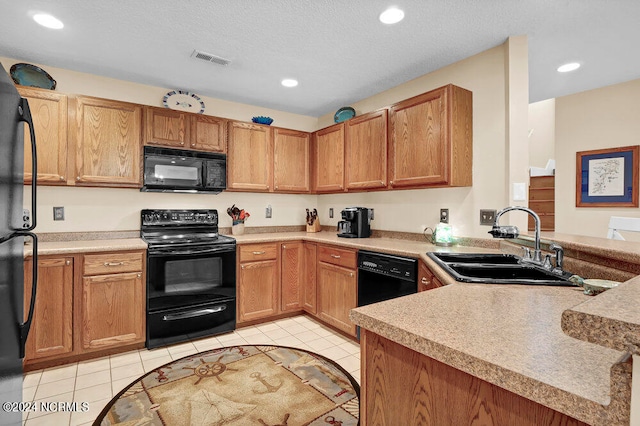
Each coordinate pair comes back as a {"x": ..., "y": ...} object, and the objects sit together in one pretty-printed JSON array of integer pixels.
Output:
[
  {"x": 52, "y": 327},
  {"x": 49, "y": 112},
  {"x": 250, "y": 157},
  {"x": 167, "y": 127},
  {"x": 107, "y": 138},
  {"x": 290, "y": 161},
  {"x": 329, "y": 159},
  {"x": 208, "y": 133},
  {"x": 366, "y": 151},
  {"x": 431, "y": 139}
]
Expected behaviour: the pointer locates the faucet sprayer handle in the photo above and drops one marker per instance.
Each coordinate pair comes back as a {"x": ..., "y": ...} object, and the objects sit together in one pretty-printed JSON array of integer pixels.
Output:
[{"x": 559, "y": 254}]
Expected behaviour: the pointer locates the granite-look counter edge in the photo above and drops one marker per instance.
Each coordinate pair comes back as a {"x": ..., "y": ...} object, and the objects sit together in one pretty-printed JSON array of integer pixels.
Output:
[{"x": 85, "y": 246}]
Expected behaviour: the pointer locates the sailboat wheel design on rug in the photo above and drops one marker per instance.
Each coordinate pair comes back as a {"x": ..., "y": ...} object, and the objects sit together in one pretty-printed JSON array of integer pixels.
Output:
[{"x": 209, "y": 369}]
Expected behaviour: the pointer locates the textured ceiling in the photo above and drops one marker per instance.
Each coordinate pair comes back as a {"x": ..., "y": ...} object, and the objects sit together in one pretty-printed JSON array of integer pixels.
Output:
[{"x": 339, "y": 51}]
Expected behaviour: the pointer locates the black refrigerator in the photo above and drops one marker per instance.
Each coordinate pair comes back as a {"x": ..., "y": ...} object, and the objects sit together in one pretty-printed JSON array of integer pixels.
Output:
[{"x": 14, "y": 112}]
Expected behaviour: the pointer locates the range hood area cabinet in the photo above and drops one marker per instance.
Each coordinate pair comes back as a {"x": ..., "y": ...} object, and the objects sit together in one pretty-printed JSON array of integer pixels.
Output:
[
  {"x": 431, "y": 140},
  {"x": 176, "y": 129},
  {"x": 267, "y": 159}
]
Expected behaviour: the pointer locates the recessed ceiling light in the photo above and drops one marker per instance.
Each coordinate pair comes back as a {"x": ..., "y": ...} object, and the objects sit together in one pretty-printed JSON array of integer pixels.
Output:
[
  {"x": 48, "y": 21},
  {"x": 392, "y": 15},
  {"x": 289, "y": 82},
  {"x": 572, "y": 66}
]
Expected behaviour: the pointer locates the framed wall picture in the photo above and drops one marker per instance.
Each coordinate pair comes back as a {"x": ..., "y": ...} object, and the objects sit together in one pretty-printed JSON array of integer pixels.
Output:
[{"x": 607, "y": 177}]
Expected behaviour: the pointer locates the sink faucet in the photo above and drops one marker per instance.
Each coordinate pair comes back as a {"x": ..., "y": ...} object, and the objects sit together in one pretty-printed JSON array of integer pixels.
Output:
[{"x": 510, "y": 231}]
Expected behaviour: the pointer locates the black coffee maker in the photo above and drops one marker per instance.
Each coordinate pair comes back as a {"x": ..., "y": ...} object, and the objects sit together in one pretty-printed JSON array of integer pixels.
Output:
[{"x": 355, "y": 223}]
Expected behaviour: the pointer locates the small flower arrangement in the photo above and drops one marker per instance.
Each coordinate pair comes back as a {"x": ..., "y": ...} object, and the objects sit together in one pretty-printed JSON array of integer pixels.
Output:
[{"x": 238, "y": 216}]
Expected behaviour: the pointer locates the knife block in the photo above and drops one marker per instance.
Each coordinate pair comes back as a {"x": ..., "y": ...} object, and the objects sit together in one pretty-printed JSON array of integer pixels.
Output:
[{"x": 315, "y": 227}]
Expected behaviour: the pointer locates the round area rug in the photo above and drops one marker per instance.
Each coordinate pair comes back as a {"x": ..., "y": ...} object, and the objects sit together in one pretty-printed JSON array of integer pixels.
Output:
[{"x": 240, "y": 385}]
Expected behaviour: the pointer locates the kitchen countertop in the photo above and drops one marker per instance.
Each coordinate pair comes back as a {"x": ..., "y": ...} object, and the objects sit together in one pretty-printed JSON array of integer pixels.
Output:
[{"x": 85, "y": 246}]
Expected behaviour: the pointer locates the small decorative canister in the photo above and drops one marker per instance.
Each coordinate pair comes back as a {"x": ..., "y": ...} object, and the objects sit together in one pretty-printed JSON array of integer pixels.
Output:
[{"x": 237, "y": 228}]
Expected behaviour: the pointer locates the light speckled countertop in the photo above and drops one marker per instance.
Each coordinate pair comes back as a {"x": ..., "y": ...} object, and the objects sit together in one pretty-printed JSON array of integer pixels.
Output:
[{"x": 70, "y": 247}]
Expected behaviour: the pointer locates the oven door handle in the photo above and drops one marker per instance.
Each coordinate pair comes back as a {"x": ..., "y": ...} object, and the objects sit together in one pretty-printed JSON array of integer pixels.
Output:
[
  {"x": 194, "y": 314},
  {"x": 187, "y": 251}
]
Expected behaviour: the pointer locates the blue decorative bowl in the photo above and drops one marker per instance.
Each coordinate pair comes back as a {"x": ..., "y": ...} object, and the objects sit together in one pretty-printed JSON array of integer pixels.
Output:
[
  {"x": 344, "y": 114},
  {"x": 262, "y": 120}
]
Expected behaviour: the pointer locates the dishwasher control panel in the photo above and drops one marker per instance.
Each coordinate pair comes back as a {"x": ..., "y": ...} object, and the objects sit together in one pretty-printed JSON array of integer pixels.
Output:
[{"x": 386, "y": 264}]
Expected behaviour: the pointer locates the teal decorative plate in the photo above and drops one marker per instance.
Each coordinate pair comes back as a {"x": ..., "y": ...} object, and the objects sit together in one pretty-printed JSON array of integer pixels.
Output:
[
  {"x": 30, "y": 75},
  {"x": 344, "y": 114}
]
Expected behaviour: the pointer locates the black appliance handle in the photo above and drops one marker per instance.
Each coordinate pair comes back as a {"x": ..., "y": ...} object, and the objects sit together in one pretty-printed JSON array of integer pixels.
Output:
[
  {"x": 25, "y": 327},
  {"x": 194, "y": 314},
  {"x": 25, "y": 115},
  {"x": 189, "y": 251}
]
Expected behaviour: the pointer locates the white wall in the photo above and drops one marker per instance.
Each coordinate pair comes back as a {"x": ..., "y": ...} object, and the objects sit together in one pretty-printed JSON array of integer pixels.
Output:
[
  {"x": 542, "y": 125},
  {"x": 602, "y": 118}
]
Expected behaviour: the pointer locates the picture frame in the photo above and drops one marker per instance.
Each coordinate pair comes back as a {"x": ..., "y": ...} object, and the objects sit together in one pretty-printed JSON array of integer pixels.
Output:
[{"x": 607, "y": 177}]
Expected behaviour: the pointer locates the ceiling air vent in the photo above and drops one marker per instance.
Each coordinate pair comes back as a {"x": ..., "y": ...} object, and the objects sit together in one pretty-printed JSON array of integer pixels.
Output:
[{"x": 210, "y": 58}]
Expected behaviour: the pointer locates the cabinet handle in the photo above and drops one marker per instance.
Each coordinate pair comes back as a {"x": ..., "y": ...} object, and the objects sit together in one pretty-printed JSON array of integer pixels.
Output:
[
  {"x": 276, "y": 186},
  {"x": 139, "y": 275},
  {"x": 68, "y": 262},
  {"x": 193, "y": 144},
  {"x": 61, "y": 177},
  {"x": 351, "y": 274},
  {"x": 381, "y": 183},
  {"x": 181, "y": 143},
  {"x": 78, "y": 178},
  {"x": 113, "y": 263},
  {"x": 242, "y": 267},
  {"x": 424, "y": 281},
  {"x": 390, "y": 182},
  {"x": 259, "y": 252},
  {"x": 335, "y": 256},
  {"x": 284, "y": 247}
]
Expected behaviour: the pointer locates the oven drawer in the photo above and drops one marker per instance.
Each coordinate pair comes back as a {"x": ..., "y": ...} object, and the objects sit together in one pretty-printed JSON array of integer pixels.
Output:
[
  {"x": 107, "y": 263},
  {"x": 253, "y": 252},
  {"x": 337, "y": 256}
]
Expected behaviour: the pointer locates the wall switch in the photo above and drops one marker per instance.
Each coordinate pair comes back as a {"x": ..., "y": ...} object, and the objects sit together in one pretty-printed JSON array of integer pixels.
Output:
[
  {"x": 268, "y": 212},
  {"x": 487, "y": 217},
  {"x": 331, "y": 213},
  {"x": 444, "y": 215},
  {"x": 519, "y": 191},
  {"x": 58, "y": 213}
]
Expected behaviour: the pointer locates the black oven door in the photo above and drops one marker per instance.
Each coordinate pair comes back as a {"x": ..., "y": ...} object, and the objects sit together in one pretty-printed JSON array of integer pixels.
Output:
[{"x": 190, "y": 276}]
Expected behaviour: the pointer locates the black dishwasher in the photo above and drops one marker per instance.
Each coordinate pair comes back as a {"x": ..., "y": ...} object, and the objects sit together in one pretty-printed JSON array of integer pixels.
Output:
[{"x": 385, "y": 276}]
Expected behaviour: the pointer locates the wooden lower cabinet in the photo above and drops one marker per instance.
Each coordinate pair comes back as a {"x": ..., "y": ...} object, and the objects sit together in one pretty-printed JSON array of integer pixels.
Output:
[
  {"x": 403, "y": 387},
  {"x": 258, "y": 289},
  {"x": 113, "y": 310},
  {"x": 52, "y": 327},
  {"x": 309, "y": 278},
  {"x": 291, "y": 271},
  {"x": 337, "y": 295},
  {"x": 426, "y": 279}
]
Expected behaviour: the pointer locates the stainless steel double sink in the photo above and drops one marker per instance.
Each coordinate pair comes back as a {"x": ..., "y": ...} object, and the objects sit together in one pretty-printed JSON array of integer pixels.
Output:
[{"x": 491, "y": 268}]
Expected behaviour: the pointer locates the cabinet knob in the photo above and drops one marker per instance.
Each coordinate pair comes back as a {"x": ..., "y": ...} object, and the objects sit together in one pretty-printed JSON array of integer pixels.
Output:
[
  {"x": 68, "y": 262},
  {"x": 193, "y": 144},
  {"x": 390, "y": 182},
  {"x": 78, "y": 178},
  {"x": 181, "y": 143},
  {"x": 61, "y": 177},
  {"x": 139, "y": 275},
  {"x": 351, "y": 274},
  {"x": 276, "y": 186},
  {"x": 424, "y": 281},
  {"x": 284, "y": 247},
  {"x": 381, "y": 183},
  {"x": 242, "y": 267}
]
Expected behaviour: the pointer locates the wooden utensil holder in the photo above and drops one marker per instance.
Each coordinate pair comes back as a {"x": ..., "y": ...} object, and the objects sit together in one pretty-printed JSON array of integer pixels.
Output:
[{"x": 315, "y": 227}]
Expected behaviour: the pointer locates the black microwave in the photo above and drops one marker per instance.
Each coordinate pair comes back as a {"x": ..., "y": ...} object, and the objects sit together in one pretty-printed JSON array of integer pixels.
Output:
[{"x": 177, "y": 170}]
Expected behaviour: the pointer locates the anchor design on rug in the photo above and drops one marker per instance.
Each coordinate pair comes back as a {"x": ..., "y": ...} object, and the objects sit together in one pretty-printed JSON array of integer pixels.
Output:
[
  {"x": 270, "y": 388},
  {"x": 284, "y": 422},
  {"x": 209, "y": 369},
  {"x": 332, "y": 421}
]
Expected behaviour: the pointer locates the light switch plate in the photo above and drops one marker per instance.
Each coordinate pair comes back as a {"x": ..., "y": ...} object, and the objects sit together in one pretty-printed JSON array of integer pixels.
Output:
[
  {"x": 519, "y": 191},
  {"x": 58, "y": 213},
  {"x": 331, "y": 213}
]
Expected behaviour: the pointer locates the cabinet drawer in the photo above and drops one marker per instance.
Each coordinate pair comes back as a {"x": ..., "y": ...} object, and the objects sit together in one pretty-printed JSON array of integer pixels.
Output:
[
  {"x": 98, "y": 264},
  {"x": 337, "y": 256},
  {"x": 252, "y": 252}
]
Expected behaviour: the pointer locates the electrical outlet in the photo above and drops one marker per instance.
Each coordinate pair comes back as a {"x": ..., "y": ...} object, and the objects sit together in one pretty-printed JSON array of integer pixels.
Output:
[
  {"x": 331, "y": 213},
  {"x": 372, "y": 215},
  {"x": 268, "y": 212},
  {"x": 26, "y": 218},
  {"x": 58, "y": 213},
  {"x": 487, "y": 217},
  {"x": 444, "y": 215}
]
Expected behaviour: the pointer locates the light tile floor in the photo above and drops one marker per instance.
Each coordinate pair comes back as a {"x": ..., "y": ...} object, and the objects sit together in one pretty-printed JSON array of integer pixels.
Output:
[{"x": 96, "y": 381}]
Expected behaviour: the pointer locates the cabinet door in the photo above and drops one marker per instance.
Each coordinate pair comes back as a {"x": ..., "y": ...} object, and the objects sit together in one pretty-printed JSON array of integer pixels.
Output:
[
  {"x": 291, "y": 161},
  {"x": 426, "y": 279},
  {"x": 249, "y": 164},
  {"x": 337, "y": 295},
  {"x": 309, "y": 278},
  {"x": 208, "y": 133},
  {"x": 258, "y": 285},
  {"x": 419, "y": 152},
  {"x": 49, "y": 112},
  {"x": 167, "y": 127},
  {"x": 366, "y": 151},
  {"x": 113, "y": 310},
  {"x": 329, "y": 159},
  {"x": 291, "y": 276},
  {"x": 52, "y": 327},
  {"x": 108, "y": 142}
]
